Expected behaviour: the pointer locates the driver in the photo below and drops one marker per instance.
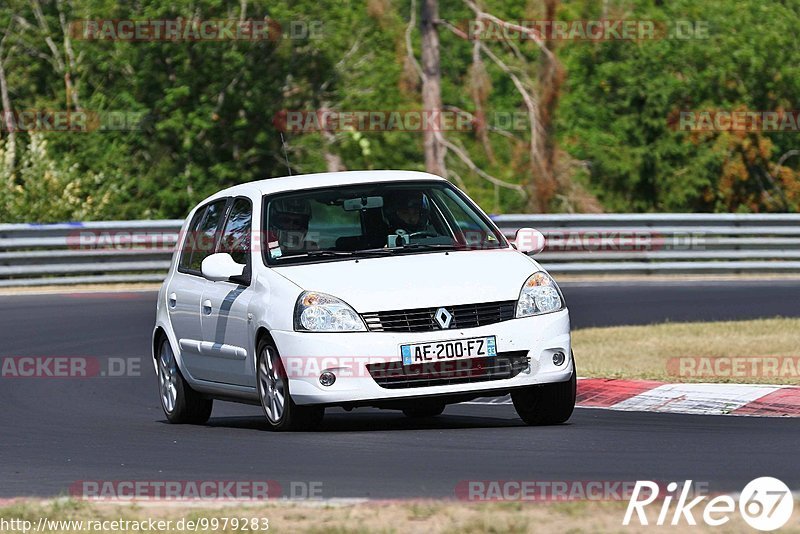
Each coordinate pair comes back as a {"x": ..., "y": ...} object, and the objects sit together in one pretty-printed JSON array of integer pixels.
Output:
[
  {"x": 407, "y": 210},
  {"x": 289, "y": 220}
]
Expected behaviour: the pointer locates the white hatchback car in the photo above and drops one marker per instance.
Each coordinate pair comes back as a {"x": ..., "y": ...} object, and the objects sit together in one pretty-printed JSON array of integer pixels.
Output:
[{"x": 373, "y": 288}]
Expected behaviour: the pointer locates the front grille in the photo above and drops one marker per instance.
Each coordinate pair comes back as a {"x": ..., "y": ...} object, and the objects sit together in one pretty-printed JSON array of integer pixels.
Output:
[
  {"x": 395, "y": 375},
  {"x": 423, "y": 319}
]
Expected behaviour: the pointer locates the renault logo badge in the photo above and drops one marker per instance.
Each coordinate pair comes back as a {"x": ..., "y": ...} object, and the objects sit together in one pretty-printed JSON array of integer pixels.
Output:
[{"x": 443, "y": 317}]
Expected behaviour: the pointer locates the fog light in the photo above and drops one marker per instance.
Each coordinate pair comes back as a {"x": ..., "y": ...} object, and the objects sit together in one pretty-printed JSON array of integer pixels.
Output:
[
  {"x": 327, "y": 378},
  {"x": 559, "y": 358}
]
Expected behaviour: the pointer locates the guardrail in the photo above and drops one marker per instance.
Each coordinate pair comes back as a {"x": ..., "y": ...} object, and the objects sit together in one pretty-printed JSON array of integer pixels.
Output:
[
  {"x": 664, "y": 243},
  {"x": 140, "y": 251},
  {"x": 91, "y": 252}
]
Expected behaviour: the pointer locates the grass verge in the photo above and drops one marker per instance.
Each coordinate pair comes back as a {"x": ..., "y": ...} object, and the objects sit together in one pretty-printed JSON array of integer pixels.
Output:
[
  {"x": 429, "y": 517},
  {"x": 645, "y": 351}
]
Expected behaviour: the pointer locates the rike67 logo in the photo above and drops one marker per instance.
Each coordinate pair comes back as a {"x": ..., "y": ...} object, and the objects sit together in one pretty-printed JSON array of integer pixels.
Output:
[{"x": 765, "y": 504}]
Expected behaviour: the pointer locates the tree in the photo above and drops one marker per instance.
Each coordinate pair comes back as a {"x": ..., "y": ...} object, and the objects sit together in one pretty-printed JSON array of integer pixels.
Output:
[
  {"x": 539, "y": 98},
  {"x": 431, "y": 86}
]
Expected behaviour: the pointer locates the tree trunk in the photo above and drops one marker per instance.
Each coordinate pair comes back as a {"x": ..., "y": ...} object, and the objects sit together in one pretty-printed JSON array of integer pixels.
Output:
[
  {"x": 431, "y": 87},
  {"x": 333, "y": 162},
  {"x": 8, "y": 121},
  {"x": 550, "y": 78}
]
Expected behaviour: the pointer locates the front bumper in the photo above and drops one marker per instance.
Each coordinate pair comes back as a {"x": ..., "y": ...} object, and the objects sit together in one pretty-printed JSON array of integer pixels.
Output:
[{"x": 306, "y": 355}]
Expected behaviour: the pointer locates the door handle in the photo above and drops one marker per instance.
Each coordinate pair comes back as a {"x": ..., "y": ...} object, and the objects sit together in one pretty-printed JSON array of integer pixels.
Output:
[
  {"x": 172, "y": 300},
  {"x": 207, "y": 307}
]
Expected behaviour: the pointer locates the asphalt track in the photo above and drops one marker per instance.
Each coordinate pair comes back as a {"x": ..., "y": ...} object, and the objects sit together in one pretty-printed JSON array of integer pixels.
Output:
[{"x": 54, "y": 432}]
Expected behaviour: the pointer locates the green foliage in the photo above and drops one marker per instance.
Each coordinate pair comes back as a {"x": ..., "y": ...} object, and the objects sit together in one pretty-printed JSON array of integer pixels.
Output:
[
  {"x": 44, "y": 189},
  {"x": 210, "y": 106},
  {"x": 623, "y": 98}
]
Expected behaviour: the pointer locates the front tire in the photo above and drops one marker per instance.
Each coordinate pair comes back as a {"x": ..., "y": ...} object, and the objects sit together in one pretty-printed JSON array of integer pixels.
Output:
[
  {"x": 181, "y": 404},
  {"x": 547, "y": 404},
  {"x": 273, "y": 389}
]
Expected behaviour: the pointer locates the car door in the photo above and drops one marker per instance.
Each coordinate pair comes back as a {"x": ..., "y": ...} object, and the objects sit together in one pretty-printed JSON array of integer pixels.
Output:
[
  {"x": 224, "y": 319},
  {"x": 185, "y": 293},
  {"x": 184, "y": 290}
]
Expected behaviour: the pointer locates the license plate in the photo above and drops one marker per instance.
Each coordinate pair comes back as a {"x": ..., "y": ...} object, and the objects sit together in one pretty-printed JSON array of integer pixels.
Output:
[{"x": 435, "y": 351}]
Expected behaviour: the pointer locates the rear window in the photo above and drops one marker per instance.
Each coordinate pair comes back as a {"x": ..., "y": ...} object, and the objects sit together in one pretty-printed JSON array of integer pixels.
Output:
[
  {"x": 235, "y": 238},
  {"x": 189, "y": 241},
  {"x": 201, "y": 236}
]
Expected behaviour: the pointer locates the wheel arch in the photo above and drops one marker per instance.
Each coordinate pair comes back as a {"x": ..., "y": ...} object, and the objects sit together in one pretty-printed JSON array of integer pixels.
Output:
[
  {"x": 158, "y": 334},
  {"x": 262, "y": 333},
  {"x": 162, "y": 332}
]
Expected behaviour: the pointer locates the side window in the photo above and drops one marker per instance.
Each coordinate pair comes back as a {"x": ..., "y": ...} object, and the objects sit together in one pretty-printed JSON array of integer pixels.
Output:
[
  {"x": 474, "y": 231},
  {"x": 190, "y": 239},
  {"x": 206, "y": 235},
  {"x": 235, "y": 238},
  {"x": 461, "y": 218}
]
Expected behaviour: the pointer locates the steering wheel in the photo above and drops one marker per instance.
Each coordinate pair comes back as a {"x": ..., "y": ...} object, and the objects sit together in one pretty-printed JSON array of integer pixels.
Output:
[{"x": 423, "y": 233}]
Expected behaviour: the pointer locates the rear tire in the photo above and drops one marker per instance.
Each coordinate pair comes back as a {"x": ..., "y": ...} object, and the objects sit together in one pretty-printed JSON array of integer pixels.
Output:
[
  {"x": 281, "y": 412},
  {"x": 181, "y": 404},
  {"x": 423, "y": 410},
  {"x": 547, "y": 404}
]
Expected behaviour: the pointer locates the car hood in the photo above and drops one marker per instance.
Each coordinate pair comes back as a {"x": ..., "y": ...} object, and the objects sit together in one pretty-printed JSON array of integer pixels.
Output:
[{"x": 418, "y": 280}]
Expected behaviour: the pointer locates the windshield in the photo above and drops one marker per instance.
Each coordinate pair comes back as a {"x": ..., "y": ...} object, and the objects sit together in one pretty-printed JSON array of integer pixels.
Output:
[{"x": 373, "y": 220}]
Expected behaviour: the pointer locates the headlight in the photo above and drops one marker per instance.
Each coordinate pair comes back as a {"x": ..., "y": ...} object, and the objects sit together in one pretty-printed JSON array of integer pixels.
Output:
[
  {"x": 540, "y": 294},
  {"x": 318, "y": 312}
]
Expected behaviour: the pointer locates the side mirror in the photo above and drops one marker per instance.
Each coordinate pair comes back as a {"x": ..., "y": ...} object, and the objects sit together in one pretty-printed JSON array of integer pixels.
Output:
[
  {"x": 220, "y": 267},
  {"x": 529, "y": 240}
]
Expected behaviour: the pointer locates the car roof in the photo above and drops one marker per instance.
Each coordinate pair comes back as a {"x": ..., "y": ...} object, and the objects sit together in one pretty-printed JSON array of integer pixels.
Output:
[{"x": 322, "y": 179}]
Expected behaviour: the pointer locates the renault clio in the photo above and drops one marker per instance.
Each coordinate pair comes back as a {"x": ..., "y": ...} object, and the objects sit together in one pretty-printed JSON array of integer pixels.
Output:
[{"x": 389, "y": 289}]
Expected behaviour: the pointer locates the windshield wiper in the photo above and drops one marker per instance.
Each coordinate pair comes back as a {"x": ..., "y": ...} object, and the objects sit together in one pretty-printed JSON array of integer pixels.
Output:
[
  {"x": 371, "y": 251},
  {"x": 334, "y": 253},
  {"x": 423, "y": 246},
  {"x": 374, "y": 252},
  {"x": 315, "y": 253},
  {"x": 387, "y": 251}
]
